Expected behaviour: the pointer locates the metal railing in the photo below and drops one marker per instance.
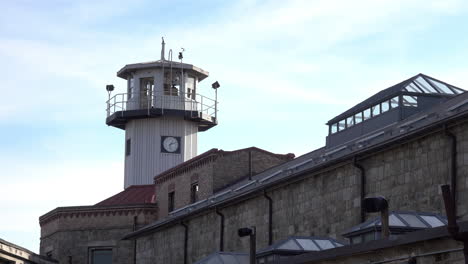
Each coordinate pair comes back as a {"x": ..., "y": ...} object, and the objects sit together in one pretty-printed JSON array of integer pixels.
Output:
[{"x": 196, "y": 104}]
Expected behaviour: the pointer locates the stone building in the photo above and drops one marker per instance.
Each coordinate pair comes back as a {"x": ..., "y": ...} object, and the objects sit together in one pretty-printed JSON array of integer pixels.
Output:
[
  {"x": 14, "y": 254},
  {"x": 161, "y": 113},
  {"x": 402, "y": 143}
]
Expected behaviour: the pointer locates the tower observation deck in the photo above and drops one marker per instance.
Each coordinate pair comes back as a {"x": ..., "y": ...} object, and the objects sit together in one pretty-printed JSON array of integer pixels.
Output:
[{"x": 161, "y": 113}]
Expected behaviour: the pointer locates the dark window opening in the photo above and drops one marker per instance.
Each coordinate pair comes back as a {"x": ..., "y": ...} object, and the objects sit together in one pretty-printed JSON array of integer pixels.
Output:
[
  {"x": 128, "y": 147},
  {"x": 170, "y": 201},
  {"x": 101, "y": 256},
  {"x": 194, "y": 192}
]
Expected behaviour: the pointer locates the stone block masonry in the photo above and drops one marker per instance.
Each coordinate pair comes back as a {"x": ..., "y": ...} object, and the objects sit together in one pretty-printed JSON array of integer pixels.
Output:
[{"x": 327, "y": 202}]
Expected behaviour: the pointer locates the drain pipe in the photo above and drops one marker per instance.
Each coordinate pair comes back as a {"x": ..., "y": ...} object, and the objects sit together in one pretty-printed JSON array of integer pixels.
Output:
[
  {"x": 270, "y": 218},
  {"x": 452, "y": 226},
  {"x": 363, "y": 186},
  {"x": 185, "y": 240},
  {"x": 135, "y": 221},
  {"x": 453, "y": 166},
  {"x": 221, "y": 230},
  {"x": 250, "y": 165}
]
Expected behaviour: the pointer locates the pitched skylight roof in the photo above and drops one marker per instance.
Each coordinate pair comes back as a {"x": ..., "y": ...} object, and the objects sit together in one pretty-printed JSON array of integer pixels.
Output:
[
  {"x": 420, "y": 84},
  {"x": 302, "y": 244},
  {"x": 408, "y": 221}
]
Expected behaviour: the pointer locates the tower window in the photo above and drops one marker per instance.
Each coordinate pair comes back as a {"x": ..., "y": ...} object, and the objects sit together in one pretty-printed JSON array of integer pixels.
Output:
[
  {"x": 170, "y": 201},
  {"x": 128, "y": 147},
  {"x": 131, "y": 85},
  {"x": 194, "y": 192}
]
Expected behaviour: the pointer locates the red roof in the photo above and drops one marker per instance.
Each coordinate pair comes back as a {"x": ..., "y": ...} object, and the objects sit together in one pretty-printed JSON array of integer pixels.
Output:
[{"x": 135, "y": 194}]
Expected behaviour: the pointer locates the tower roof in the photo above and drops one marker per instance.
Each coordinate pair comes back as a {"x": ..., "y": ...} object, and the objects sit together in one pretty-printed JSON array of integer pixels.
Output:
[
  {"x": 200, "y": 73},
  {"x": 418, "y": 84}
]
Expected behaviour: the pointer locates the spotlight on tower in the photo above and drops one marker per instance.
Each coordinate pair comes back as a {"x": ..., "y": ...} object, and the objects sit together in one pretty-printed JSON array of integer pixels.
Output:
[
  {"x": 109, "y": 87},
  {"x": 215, "y": 85}
]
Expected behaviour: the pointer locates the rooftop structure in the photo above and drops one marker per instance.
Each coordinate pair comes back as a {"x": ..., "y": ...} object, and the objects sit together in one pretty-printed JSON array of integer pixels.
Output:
[
  {"x": 400, "y": 222},
  {"x": 389, "y": 106}
]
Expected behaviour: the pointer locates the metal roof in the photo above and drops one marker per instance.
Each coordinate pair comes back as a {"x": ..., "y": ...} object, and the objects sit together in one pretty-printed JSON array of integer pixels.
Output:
[
  {"x": 300, "y": 244},
  {"x": 200, "y": 73},
  {"x": 451, "y": 109},
  {"x": 135, "y": 194},
  {"x": 420, "y": 84},
  {"x": 225, "y": 258},
  {"x": 401, "y": 220}
]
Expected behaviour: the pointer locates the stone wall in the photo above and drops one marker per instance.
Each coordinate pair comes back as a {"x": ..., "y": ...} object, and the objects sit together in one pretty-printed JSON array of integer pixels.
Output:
[
  {"x": 74, "y": 234},
  {"x": 212, "y": 175},
  {"x": 234, "y": 166},
  {"x": 181, "y": 183},
  {"x": 327, "y": 203}
]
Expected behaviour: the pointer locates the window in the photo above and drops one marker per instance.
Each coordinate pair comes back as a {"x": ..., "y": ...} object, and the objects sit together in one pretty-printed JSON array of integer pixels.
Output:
[
  {"x": 385, "y": 106},
  {"x": 172, "y": 83},
  {"x": 101, "y": 256},
  {"x": 194, "y": 192},
  {"x": 376, "y": 110},
  {"x": 334, "y": 128},
  {"x": 341, "y": 125},
  {"x": 128, "y": 147},
  {"x": 131, "y": 85},
  {"x": 367, "y": 114},
  {"x": 190, "y": 86},
  {"x": 394, "y": 102},
  {"x": 358, "y": 118},
  {"x": 350, "y": 121},
  {"x": 410, "y": 101},
  {"x": 170, "y": 201}
]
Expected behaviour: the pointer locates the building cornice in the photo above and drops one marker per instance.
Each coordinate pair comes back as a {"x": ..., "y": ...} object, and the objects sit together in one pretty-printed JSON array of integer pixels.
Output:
[{"x": 96, "y": 211}]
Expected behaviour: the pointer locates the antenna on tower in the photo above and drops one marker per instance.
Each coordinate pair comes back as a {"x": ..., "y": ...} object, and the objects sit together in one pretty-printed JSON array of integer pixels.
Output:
[
  {"x": 163, "y": 44},
  {"x": 181, "y": 56}
]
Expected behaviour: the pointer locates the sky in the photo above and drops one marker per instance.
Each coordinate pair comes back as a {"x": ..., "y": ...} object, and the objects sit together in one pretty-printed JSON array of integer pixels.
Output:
[{"x": 285, "y": 69}]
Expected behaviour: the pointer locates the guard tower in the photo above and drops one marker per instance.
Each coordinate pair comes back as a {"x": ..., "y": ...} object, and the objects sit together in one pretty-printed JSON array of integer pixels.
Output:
[{"x": 161, "y": 113}]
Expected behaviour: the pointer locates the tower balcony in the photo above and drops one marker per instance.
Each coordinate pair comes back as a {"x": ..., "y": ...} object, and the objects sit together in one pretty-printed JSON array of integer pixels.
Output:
[{"x": 123, "y": 107}]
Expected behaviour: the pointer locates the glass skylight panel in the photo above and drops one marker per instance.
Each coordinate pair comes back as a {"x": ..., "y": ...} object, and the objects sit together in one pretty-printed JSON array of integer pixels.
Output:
[
  {"x": 290, "y": 245},
  {"x": 358, "y": 118},
  {"x": 412, "y": 220},
  {"x": 412, "y": 88},
  {"x": 425, "y": 85},
  {"x": 385, "y": 106},
  {"x": 442, "y": 87},
  {"x": 324, "y": 244},
  {"x": 307, "y": 244},
  {"x": 409, "y": 100},
  {"x": 376, "y": 110},
  {"x": 432, "y": 220},
  {"x": 394, "y": 102},
  {"x": 350, "y": 121},
  {"x": 367, "y": 114},
  {"x": 395, "y": 221}
]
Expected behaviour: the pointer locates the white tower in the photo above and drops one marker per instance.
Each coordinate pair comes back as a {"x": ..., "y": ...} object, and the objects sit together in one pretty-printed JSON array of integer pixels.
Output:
[{"x": 161, "y": 113}]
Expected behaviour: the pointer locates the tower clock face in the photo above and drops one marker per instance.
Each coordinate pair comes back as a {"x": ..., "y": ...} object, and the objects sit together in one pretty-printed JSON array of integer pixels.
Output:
[{"x": 170, "y": 144}]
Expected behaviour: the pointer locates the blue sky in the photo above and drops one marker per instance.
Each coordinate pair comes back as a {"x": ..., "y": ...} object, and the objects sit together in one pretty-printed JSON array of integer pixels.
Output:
[{"x": 285, "y": 68}]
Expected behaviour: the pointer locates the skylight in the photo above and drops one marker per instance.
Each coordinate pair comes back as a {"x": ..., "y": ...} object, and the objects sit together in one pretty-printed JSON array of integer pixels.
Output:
[{"x": 427, "y": 85}]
